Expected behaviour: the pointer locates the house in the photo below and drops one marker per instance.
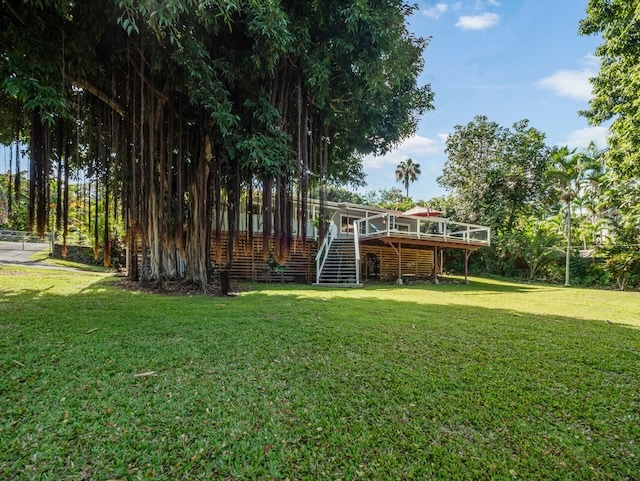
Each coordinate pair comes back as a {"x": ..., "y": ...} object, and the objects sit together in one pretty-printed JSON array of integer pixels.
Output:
[{"x": 362, "y": 243}]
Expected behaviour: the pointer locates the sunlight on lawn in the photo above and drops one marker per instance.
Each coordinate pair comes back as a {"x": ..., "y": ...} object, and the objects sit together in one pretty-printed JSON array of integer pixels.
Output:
[
  {"x": 52, "y": 281},
  {"x": 592, "y": 304}
]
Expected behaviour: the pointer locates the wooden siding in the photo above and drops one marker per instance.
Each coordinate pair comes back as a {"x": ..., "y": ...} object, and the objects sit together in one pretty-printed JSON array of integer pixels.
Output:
[
  {"x": 248, "y": 263},
  {"x": 415, "y": 262}
]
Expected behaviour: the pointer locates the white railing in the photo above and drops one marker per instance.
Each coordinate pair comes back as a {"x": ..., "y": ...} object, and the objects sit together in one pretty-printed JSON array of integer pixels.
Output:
[
  {"x": 323, "y": 251},
  {"x": 13, "y": 235},
  {"x": 434, "y": 228},
  {"x": 356, "y": 246},
  {"x": 19, "y": 236}
]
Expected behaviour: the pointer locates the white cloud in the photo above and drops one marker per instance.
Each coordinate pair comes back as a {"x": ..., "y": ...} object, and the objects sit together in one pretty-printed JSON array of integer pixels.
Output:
[
  {"x": 580, "y": 139},
  {"x": 591, "y": 61},
  {"x": 436, "y": 10},
  {"x": 415, "y": 147},
  {"x": 482, "y": 4},
  {"x": 478, "y": 22},
  {"x": 442, "y": 137},
  {"x": 570, "y": 83}
]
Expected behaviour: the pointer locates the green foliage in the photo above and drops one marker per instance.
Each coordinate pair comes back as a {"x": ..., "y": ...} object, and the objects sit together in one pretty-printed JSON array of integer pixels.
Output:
[
  {"x": 616, "y": 88},
  {"x": 623, "y": 265},
  {"x": 495, "y": 173},
  {"x": 341, "y": 194},
  {"x": 390, "y": 199},
  {"x": 274, "y": 266},
  {"x": 496, "y": 178},
  {"x": 292, "y": 93},
  {"x": 18, "y": 219},
  {"x": 588, "y": 272},
  {"x": 540, "y": 247}
]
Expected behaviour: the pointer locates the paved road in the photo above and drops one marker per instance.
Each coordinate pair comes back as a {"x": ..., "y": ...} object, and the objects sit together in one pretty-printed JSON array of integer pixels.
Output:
[{"x": 14, "y": 253}]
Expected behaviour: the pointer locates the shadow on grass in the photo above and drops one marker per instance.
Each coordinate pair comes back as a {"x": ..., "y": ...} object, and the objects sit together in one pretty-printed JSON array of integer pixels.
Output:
[
  {"x": 478, "y": 285},
  {"x": 307, "y": 382}
]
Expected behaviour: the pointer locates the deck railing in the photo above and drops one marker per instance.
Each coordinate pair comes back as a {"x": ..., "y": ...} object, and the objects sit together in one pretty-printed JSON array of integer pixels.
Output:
[
  {"x": 323, "y": 251},
  {"x": 356, "y": 246},
  {"x": 428, "y": 228}
]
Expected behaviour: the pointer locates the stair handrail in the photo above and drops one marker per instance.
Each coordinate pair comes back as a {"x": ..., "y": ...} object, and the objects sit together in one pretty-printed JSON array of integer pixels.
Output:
[
  {"x": 356, "y": 246},
  {"x": 323, "y": 251}
]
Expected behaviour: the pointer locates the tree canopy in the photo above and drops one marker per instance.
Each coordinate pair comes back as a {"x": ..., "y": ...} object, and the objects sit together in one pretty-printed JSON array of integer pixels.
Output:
[
  {"x": 175, "y": 107},
  {"x": 494, "y": 172},
  {"x": 616, "y": 88}
]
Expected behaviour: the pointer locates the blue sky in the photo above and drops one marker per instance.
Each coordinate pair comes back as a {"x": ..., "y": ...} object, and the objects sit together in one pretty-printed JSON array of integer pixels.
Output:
[{"x": 506, "y": 59}]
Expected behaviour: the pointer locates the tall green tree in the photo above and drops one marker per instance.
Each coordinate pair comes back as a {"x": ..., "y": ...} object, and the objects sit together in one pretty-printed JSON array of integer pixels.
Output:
[
  {"x": 174, "y": 107},
  {"x": 616, "y": 87},
  {"x": 566, "y": 174},
  {"x": 495, "y": 176},
  {"x": 407, "y": 172},
  {"x": 495, "y": 173},
  {"x": 616, "y": 98}
]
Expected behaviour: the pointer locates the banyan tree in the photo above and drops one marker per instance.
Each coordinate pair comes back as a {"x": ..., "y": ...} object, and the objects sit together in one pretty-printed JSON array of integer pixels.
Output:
[{"x": 181, "y": 110}]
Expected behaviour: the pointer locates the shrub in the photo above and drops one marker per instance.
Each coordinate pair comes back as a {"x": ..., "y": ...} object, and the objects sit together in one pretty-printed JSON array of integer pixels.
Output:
[{"x": 624, "y": 267}]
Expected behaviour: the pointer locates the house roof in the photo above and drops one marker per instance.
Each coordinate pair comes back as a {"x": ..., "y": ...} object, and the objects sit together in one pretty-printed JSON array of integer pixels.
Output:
[{"x": 423, "y": 212}]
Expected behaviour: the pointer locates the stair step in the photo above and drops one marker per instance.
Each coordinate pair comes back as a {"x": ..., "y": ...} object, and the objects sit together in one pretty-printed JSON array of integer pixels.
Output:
[{"x": 339, "y": 267}]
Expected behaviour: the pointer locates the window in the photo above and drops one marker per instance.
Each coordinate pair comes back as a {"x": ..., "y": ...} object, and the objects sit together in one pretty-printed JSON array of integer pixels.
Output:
[{"x": 346, "y": 224}]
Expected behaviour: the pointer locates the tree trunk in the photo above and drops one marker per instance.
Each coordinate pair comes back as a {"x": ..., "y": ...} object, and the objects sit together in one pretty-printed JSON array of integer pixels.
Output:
[
  {"x": 18, "y": 178},
  {"x": 267, "y": 190},
  {"x": 567, "y": 264},
  {"x": 198, "y": 245},
  {"x": 65, "y": 201},
  {"x": 96, "y": 237},
  {"x": 60, "y": 139},
  {"x": 10, "y": 186}
]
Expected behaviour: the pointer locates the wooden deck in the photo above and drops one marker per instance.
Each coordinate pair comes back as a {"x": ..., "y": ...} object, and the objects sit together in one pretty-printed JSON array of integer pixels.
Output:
[
  {"x": 420, "y": 232},
  {"x": 418, "y": 242},
  {"x": 414, "y": 242}
]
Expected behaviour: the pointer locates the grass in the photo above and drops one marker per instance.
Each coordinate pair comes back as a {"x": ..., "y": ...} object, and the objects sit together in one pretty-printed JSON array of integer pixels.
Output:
[
  {"x": 491, "y": 380},
  {"x": 44, "y": 257}
]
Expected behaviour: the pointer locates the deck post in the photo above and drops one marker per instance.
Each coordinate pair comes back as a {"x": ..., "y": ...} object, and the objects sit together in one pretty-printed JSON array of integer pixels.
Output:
[
  {"x": 466, "y": 266},
  {"x": 398, "y": 252},
  {"x": 399, "y": 281},
  {"x": 435, "y": 265}
]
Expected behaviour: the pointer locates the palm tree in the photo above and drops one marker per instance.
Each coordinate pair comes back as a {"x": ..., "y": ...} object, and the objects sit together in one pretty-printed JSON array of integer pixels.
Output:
[
  {"x": 407, "y": 171},
  {"x": 566, "y": 172}
]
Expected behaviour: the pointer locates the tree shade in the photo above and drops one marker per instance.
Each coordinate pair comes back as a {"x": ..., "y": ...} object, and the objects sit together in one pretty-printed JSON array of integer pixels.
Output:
[{"x": 180, "y": 110}]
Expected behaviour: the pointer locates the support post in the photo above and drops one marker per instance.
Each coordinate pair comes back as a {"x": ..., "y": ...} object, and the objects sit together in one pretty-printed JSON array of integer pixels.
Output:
[
  {"x": 435, "y": 265},
  {"x": 398, "y": 252},
  {"x": 466, "y": 266},
  {"x": 399, "y": 281}
]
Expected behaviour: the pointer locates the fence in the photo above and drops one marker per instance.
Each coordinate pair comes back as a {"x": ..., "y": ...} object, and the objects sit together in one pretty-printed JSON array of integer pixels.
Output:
[{"x": 22, "y": 240}]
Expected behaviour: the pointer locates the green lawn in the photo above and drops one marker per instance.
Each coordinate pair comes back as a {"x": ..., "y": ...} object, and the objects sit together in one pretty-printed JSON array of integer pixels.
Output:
[{"x": 484, "y": 381}]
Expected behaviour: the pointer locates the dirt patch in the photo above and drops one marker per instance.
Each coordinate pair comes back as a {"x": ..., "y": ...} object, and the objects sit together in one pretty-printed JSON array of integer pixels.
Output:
[{"x": 175, "y": 288}]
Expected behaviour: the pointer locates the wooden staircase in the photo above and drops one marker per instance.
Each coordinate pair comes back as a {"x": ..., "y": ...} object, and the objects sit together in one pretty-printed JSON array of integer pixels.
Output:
[{"x": 339, "y": 269}]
